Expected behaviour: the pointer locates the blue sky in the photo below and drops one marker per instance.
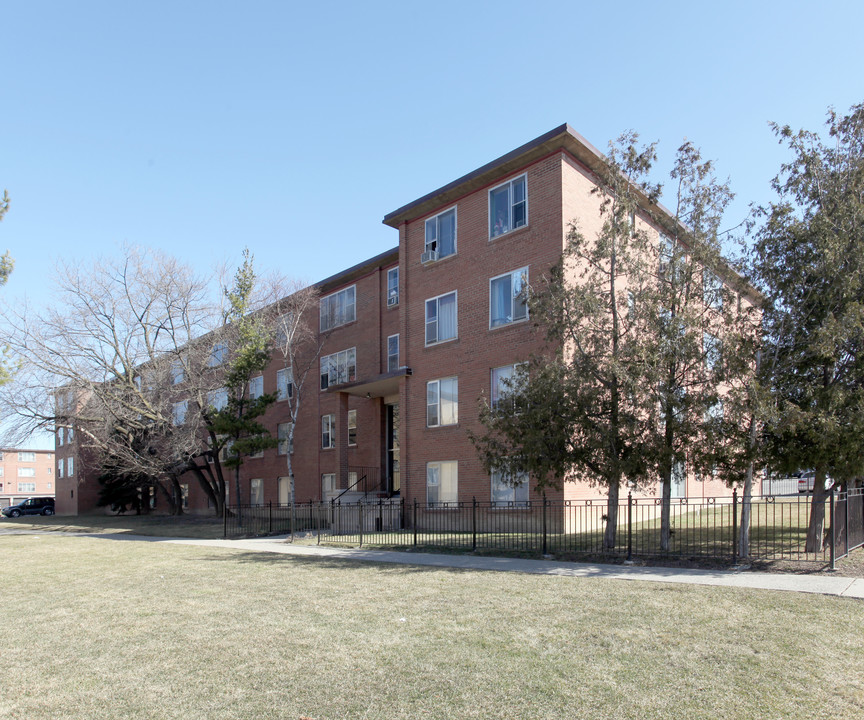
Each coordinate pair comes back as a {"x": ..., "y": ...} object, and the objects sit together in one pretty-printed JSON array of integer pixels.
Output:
[{"x": 293, "y": 128}]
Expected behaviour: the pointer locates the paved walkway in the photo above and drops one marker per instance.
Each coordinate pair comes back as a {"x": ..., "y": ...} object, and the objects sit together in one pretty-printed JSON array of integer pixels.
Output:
[{"x": 823, "y": 584}]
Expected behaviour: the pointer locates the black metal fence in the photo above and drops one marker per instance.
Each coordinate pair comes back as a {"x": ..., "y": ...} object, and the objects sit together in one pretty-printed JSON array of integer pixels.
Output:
[{"x": 698, "y": 527}]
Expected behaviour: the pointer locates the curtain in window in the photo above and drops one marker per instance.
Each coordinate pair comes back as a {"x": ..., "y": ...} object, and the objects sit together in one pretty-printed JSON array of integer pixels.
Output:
[
  {"x": 447, "y": 317},
  {"x": 500, "y": 301},
  {"x": 447, "y": 234},
  {"x": 449, "y": 401}
]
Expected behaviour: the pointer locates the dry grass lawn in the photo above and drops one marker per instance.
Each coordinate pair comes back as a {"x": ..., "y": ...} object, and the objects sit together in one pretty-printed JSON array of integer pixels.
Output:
[{"x": 114, "y": 629}]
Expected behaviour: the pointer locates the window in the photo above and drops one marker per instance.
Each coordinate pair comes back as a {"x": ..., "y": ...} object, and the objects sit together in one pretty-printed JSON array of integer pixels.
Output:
[
  {"x": 442, "y": 480},
  {"x": 328, "y": 484},
  {"x": 393, "y": 353},
  {"x": 441, "y": 235},
  {"x": 180, "y": 409},
  {"x": 177, "y": 372},
  {"x": 503, "y": 379},
  {"x": 256, "y": 491},
  {"x": 442, "y": 402},
  {"x": 509, "y": 492},
  {"x": 711, "y": 348},
  {"x": 679, "y": 479},
  {"x": 285, "y": 384},
  {"x": 441, "y": 318},
  {"x": 352, "y": 428},
  {"x": 256, "y": 387},
  {"x": 392, "y": 287},
  {"x": 61, "y": 433},
  {"x": 218, "y": 354},
  {"x": 26, "y": 472},
  {"x": 70, "y": 467},
  {"x": 2, "y": 455},
  {"x": 338, "y": 368},
  {"x": 26, "y": 457},
  {"x": 218, "y": 399},
  {"x": 184, "y": 496},
  {"x": 27, "y": 487},
  {"x": 2, "y": 471},
  {"x": 714, "y": 413},
  {"x": 48, "y": 484},
  {"x": 283, "y": 433},
  {"x": 338, "y": 309},
  {"x": 328, "y": 431},
  {"x": 507, "y": 301},
  {"x": 70, "y": 435},
  {"x": 508, "y": 207},
  {"x": 712, "y": 290},
  {"x": 60, "y": 468}
]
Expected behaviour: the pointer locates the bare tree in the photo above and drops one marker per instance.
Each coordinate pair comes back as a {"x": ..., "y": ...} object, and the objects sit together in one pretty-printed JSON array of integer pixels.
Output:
[{"x": 299, "y": 344}]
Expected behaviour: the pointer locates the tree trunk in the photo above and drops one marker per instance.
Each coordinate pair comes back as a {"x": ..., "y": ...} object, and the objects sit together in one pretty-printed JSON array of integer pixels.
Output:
[
  {"x": 665, "y": 511},
  {"x": 609, "y": 535},
  {"x": 744, "y": 530},
  {"x": 816, "y": 528}
]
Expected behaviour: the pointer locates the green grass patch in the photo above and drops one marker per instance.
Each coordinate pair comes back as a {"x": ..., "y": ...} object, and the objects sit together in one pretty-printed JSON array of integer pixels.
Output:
[
  {"x": 191, "y": 526},
  {"x": 119, "y": 630}
]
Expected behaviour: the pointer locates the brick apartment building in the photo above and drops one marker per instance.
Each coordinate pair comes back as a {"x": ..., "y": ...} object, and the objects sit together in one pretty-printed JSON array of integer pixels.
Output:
[
  {"x": 415, "y": 337},
  {"x": 25, "y": 474}
]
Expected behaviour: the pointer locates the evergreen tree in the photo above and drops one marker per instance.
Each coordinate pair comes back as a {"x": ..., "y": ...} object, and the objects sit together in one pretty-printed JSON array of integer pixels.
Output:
[{"x": 808, "y": 260}]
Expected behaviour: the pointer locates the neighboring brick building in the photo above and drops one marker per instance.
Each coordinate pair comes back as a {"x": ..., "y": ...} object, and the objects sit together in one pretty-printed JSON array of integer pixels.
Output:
[
  {"x": 25, "y": 474},
  {"x": 417, "y": 335}
]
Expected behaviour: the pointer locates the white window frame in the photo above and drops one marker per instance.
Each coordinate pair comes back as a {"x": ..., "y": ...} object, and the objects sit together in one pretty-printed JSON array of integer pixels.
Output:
[
  {"x": 26, "y": 472},
  {"x": 218, "y": 399},
  {"x": 285, "y": 384},
  {"x": 392, "y": 358},
  {"x": 60, "y": 465},
  {"x": 328, "y": 484},
  {"x": 437, "y": 300},
  {"x": 70, "y": 434},
  {"x": 180, "y": 409},
  {"x": 516, "y": 494},
  {"x": 523, "y": 272},
  {"x": 434, "y": 498},
  {"x": 218, "y": 354},
  {"x": 712, "y": 289},
  {"x": 339, "y": 365},
  {"x": 340, "y": 315},
  {"x": 283, "y": 431},
  {"x": 70, "y": 466},
  {"x": 256, "y": 492},
  {"x": 256, "y": 387},
  {"x": 713, "y": 350},
  {"x": 26, "y": 487},
  {"x": 352, "y": 426},
  {"x": 445, "y": 413},
  {"x": 393, "y": 288},
  {"x": 178, "y": 372},
  {"x": 26, "y": 457},
  {"x": 510, "y": 205},
  {"x": 436, "y": 219},
  {"x": 495, "y": 388},
  {"x": 61, "y": 433},
  {"x": 328, "y": 432}
]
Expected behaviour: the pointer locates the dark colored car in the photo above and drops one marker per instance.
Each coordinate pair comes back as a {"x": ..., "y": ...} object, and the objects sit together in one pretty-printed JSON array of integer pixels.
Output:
[{"x": 33, "y": 506}]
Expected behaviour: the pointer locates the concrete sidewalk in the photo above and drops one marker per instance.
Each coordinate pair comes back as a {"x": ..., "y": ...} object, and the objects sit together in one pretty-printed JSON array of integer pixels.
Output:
[{"x": 819, "y": 584}]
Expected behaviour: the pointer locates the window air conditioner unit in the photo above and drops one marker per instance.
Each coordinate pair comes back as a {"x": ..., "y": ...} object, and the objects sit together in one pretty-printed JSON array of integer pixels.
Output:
[
  {"x": 429, "y": 256},
  {"x": 391, "y": 301}
]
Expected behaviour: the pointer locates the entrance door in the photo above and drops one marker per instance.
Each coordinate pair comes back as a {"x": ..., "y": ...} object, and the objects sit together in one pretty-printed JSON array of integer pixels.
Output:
[{"x": 393, "y": 479}]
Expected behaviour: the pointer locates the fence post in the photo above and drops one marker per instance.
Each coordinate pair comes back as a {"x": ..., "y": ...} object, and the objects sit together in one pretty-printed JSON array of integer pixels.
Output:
[
  {"x": 473, "y": 524},
  {"x": 545, "y": 544},
  {"x": 630, "y": 525},
  {"x": 318, "y": 520},
  {"x": 360, "y": 517},
  {"x": 380, "y": 515},
  {"x": 224, "y": 520},
  {"x": 735, "y": 525},
  {"x": 270, "y": 512},
  {"x": 833, "y": 532}
]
